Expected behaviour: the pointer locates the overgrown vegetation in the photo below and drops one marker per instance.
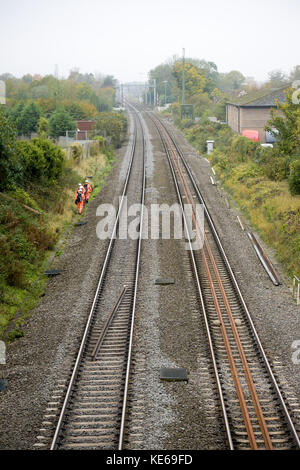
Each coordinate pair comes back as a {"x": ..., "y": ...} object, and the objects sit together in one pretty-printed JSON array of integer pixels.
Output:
[
  {"x": 36, "y": 174},
  {"x": 111, "y": 125},
  {"x": 264, "y": 182}
]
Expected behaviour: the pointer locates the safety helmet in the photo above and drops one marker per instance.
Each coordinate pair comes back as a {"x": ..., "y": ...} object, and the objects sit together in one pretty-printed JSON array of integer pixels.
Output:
[{"x": 86, "y": 181}]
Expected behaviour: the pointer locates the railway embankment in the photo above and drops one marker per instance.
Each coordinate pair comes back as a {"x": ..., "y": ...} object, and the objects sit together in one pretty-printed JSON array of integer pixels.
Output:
[
  {"x": 35, "y": 223},
  {"x": 256, "y": 182}
]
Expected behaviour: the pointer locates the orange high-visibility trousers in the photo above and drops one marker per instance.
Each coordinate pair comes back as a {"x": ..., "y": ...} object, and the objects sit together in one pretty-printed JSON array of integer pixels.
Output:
[
  {"x": 80, "y": 206},
  {"x": 88, "y": 190}
]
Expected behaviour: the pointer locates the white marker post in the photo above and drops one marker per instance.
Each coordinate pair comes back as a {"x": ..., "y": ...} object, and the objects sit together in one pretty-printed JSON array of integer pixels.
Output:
[{"x": 210, "y": 146}]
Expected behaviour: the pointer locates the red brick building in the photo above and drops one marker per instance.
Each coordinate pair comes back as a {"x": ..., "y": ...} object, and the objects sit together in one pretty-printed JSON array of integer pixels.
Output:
[{"x": 84, "y": 129}]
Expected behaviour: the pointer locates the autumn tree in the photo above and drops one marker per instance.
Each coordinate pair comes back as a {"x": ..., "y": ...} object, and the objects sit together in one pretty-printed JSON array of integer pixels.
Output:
[{"x": 195, "y": 79}]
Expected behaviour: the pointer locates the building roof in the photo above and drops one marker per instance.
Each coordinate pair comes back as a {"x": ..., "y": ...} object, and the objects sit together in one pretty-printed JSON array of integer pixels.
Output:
[
  {"x": 266, "y": 97},
  {"x": 85, "y": 124}
]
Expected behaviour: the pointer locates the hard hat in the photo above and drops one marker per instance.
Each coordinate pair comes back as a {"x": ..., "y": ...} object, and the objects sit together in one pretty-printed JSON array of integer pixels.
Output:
[{"x": 86, "y": 181}]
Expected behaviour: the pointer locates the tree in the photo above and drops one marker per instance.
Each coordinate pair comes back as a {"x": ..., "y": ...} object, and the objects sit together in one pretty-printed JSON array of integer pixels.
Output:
[
  {"x": 109, "y": 81},
  {"x": 195, "y": 78},
  {"x": 163, "y": 73},
  {"x": 28, "y": 120},
  {"x": 60, "y": 122},
  {"x": 287, "y": 126},
  {"x": 27, "y": 78},
  {"x": 7, "y": 149},
  {"x": 277, "y": 78},
  {"x": 84, "y": 92},
  {"x": 43, "y": 127},
  {"x": 295, "y": 73},
  {"x": 230, "y": 82},
  {"x": 111, "y": 125},
  {"x": 15, "y": 114}
]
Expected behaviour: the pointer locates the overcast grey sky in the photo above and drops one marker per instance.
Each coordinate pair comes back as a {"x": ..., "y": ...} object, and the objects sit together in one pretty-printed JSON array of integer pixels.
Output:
[{"x": 127, "y": 38}]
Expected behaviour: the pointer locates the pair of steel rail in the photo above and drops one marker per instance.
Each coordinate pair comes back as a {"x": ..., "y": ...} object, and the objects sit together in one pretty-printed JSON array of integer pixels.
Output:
[
  {"x": 176, "y": 158},
  {"x": 90, "y": 320}
]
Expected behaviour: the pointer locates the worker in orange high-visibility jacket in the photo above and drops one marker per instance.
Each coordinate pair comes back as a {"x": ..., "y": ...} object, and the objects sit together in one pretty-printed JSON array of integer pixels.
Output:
[
  {"x": 80, "y": 200},
  {"x": 88, "y": 189},
  {"x": 77, "y": 190}
]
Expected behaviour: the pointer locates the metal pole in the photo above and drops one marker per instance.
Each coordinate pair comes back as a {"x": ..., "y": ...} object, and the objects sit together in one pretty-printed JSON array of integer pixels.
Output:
[
  {"x": 165, "y": 82},
  {"x": 154, "y": 97}
]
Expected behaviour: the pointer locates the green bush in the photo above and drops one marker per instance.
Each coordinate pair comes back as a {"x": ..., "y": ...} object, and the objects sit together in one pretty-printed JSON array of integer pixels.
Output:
[
  {"x": 101, "y": 141},
  {"x": 220, "y": 159},
  {"x": 245, "y": 171},
  {"x": 243, "y": 149},
  {"x": 54, "y": 157},
  {"x": 32, "y": 160},
  {"x": 276, "y": 168},
  {"x": 94, "y": 149},
  {"x": 294, "y": 177}
]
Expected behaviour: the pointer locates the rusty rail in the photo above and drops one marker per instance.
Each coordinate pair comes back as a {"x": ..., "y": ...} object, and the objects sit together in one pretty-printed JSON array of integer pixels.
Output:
[
  {"x": 174, "y": 154},
  {"x": 264, "y": 260}
]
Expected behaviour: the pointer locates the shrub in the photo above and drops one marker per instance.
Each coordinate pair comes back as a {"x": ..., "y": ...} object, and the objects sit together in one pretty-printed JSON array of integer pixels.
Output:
[
  {"x": 21, "y": 195},
  {"x": 32, "y": 161},
  {"x": 76, "y": 152},
  {"x": 94, "y": 149},
  {"x": 101, "y": 142},
  {"x": 276, "y": 168},
  {"x": 54, "y": 157},
  {"x": 243, "y": 149},
  {"x": 244, "y": 171},
  {"x": 294, "y": 177},
  {"x": 220, "y": 159},
  {"x": 11, "y": 268}
]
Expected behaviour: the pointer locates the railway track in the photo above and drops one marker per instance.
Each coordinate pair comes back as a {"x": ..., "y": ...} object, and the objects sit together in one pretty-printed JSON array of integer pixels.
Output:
[
  {"x": 254, "y": 411},
  {"x": 94, "y": 408}
]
